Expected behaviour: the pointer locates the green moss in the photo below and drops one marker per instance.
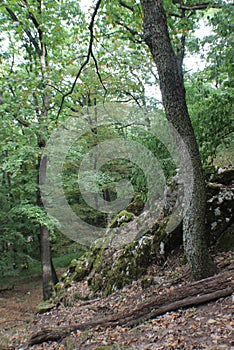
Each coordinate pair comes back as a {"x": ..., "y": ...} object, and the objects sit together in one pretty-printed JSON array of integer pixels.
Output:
[
  {"x": 136, "y": 206},
  {"x": 45, "y": 306},
  {"x": 109, "y": 269},
  {"x": 130, "y": 264},
  {"x": 121, "y": 219},
  {"x": 147, "y": 281}
]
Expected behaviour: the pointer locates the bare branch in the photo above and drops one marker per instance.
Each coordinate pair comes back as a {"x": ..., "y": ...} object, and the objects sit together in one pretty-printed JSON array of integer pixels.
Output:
[
  {"x": 23, "y": 122},
  {"x": 98, "y": 73},
  {"x": 128, "y": 93},
  {"x": 90, "y": 52}
]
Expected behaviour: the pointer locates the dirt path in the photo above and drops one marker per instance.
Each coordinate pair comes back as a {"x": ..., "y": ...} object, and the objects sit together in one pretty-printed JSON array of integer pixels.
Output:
[
  {"x": 19, "y": 299},
  {"x": 19, "y": 302}
]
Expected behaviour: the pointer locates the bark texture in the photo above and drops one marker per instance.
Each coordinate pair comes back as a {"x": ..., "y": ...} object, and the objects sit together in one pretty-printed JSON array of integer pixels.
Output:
[
  {"x": 49, "y": 276},
  {"x": 194, "y": 294},
  {"x": 173, "y": 94}
]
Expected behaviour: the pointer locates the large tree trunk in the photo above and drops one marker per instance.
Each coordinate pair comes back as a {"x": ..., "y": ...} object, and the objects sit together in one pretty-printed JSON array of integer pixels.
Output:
[{"x": 174, "y": 100}]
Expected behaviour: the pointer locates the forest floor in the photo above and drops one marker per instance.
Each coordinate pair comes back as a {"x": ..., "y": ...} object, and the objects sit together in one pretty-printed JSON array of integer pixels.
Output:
[{"x": 208, "y": 326}]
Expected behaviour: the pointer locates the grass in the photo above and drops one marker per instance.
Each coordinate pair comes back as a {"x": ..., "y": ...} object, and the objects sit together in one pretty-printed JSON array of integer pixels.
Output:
[{"x": 60, "y": 261}]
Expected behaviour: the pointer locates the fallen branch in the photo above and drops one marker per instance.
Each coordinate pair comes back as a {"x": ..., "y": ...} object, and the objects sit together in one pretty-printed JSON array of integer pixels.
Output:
[{"x": 196, "y": 293}]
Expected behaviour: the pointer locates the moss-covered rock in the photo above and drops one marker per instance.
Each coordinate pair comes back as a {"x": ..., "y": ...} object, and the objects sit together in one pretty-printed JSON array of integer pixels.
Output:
[
  {"x": 136, "y": 206},
  {"x": 45, "y": 306},
  {"x": 109, "y": 266},
  {"x": 226, "y": 241},
  {"x": 113, "y": 269},
  {"x": 121, "y": 219},
  {"x": 219, "y": 215},
  {"x": 77, "y": 270}
]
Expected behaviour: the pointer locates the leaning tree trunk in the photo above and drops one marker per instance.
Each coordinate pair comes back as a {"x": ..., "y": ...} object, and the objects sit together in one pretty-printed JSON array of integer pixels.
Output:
[{"x": 173, "y": 94}]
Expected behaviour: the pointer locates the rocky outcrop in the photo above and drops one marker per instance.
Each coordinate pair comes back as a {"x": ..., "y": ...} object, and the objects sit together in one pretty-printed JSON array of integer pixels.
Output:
[
  {"x": 220, "y": 191},
  {"x": 110, "y": 266}
]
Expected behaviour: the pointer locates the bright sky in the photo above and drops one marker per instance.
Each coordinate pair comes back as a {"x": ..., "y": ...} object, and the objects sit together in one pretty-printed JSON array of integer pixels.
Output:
[{"x": 85, "y": 4}]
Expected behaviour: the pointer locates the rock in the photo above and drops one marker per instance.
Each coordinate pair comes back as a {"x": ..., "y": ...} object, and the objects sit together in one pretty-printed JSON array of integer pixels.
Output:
[
  {"x": 136, "y": 206},
  {"x": 226, "y": 240},
  {"x": 111, "y": 264},
  {"x": 219, "y": 215},
  {"x": 223, "y": 176},
  {"x": 121, "y": 218}
]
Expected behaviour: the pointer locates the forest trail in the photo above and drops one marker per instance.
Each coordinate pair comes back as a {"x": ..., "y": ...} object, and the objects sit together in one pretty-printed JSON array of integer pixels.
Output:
[{"x": 19, "y": 298}]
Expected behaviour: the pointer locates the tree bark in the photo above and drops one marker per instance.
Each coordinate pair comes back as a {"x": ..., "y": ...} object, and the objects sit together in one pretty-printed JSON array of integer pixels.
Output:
[
  {"x": 194, "y": 294},
  {"x": 49, "y": 276},
  {"x": 174, "y": 100}
]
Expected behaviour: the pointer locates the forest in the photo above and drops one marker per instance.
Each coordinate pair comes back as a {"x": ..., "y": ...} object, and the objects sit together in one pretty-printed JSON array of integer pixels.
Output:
[{"x": 116, "y": 180}]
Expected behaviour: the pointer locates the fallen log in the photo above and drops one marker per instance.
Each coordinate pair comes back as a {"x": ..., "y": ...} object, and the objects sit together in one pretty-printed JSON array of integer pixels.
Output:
[{"x": 196, "y": 293}]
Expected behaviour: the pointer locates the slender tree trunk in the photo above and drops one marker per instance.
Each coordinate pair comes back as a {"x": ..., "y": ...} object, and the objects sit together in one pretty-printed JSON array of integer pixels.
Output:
[
  {"x": 37, "y": 42},
  {"x": 49, "y": 277},
  {"x": 173, "y": 94}
]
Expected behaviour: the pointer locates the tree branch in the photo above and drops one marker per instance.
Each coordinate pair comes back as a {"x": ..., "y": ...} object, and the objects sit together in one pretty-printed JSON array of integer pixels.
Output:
[
  {"x": 98, "y": 73},
  {"x": 122, "y": 3},
  {"x": 27, "y": 32},
  {"x": 200, "y": 6},
  {"x": 90, "y": 53},
  {"x": 131, "y": 31}
]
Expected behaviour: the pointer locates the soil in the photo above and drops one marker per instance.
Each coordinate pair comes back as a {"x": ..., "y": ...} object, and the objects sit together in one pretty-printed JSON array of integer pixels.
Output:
[{"x": 208, "y": 326}]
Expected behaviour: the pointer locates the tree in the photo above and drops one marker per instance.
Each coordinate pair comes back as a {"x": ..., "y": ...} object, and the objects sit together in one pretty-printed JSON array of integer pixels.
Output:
[
  {"x": 28, "y": 21},
  {"x": 210, "y": 90},
  {"x": 169, "y": 66},
  {"x": 45, "y": 46}
]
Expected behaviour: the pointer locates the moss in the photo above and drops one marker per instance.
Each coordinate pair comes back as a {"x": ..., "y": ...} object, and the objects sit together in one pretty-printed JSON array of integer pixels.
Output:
[
  {"x": 147, "y": 281},
  {"x": 136, "y": 206},
  {"x": 121, "y": 218},
  {"x": 45, "y": 306},
  {"x": 130, "y": 264}
]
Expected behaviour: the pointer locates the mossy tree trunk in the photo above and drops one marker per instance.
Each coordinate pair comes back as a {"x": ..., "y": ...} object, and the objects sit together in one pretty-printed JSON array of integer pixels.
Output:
[{"x": 169, "y": 67}]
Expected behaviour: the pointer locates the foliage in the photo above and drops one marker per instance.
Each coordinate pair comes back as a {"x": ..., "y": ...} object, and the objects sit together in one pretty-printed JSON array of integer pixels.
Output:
[
  {"x": 120, "y": 69},
  {"x": 210, "y": 91}
]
